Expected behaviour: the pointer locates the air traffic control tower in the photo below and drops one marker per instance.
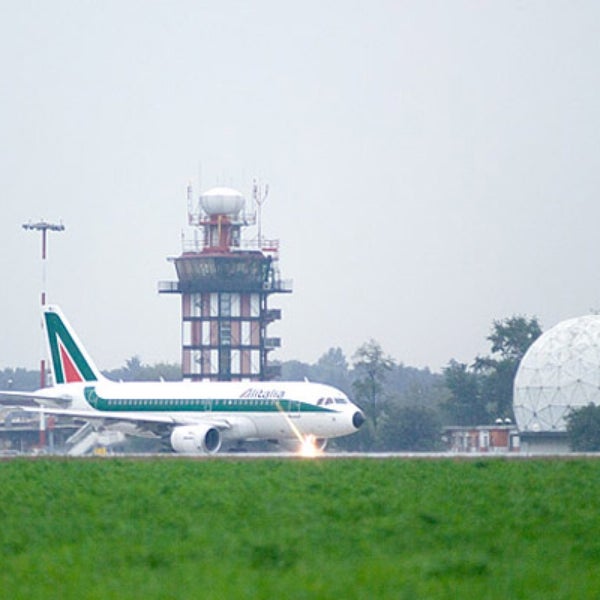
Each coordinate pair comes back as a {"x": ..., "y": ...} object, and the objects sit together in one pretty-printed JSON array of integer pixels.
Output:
[{"x": 225, "y": 282}]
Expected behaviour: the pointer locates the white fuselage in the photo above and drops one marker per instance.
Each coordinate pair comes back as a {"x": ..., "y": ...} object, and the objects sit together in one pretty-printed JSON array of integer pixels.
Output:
[
  {"x": 194, "y": 417},
  {"x": 239, "y": 410}
]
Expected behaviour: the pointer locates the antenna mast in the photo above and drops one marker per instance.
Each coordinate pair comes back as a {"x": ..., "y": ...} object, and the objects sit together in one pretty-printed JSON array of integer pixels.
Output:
[{"x": 259, "y": 197}]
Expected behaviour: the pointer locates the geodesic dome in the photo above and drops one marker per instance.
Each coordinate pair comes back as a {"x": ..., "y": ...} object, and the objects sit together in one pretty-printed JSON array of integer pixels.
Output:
[{"x": 560, "y": 371}]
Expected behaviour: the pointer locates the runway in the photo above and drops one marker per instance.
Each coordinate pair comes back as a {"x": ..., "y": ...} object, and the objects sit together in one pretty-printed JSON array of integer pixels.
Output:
[{"x": 243, "y": 456}]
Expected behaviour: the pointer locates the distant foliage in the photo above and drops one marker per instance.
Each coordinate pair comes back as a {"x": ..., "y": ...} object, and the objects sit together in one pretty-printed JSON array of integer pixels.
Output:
[
  {"x": 412, "y": 428},
  {"x": 331, "y": 368},
  {"x": 371, "y": 367},
  {"x": 134, "y": 370},
  {"x": 465, "y": 405},
  {"x": 382, "y": 388},
  {"x": 583, "y": 428},
  {"x": 482, "y": 392},
  {"x": 510, "y": 339},
  {"x": 19, "y": 379},
  {"x": 295, "y": 370}
]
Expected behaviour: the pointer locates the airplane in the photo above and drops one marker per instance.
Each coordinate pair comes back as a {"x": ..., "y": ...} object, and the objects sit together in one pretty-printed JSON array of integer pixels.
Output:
[{"x": 190, "y": 417}]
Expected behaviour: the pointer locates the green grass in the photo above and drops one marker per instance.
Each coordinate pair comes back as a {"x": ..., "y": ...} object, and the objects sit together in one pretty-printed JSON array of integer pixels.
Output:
[{"x": 364, "y": 528}]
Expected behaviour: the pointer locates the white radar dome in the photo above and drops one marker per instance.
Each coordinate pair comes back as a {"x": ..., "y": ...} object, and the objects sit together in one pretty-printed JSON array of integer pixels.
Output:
[
  {"x": 559, "y": 372},
  {"x": 221, "y": 201}
]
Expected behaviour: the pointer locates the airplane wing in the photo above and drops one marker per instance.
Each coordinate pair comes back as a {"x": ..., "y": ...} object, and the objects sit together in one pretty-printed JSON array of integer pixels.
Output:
[
  {"x": 137, "y": 418},
  {"x": 11, "y": 397}
]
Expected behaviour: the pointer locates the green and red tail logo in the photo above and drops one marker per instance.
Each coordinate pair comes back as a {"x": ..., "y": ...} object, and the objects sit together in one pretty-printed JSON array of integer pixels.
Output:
[{"x": 70, "y": 362}]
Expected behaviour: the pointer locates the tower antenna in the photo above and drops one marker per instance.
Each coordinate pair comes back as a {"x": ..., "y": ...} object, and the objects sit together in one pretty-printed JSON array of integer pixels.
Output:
[{"x": 259, "y": 196}]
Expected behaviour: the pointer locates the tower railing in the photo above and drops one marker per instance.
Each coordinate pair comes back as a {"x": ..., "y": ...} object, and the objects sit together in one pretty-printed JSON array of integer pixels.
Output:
[
  {"x": 266, "y": 246},
  {"x": 280, "y": 285},
  {"x": 277, "y": 285}
]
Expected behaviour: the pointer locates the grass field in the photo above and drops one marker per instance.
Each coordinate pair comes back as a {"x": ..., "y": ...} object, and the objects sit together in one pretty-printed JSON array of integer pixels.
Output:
[{"x": 362, "y": 528}]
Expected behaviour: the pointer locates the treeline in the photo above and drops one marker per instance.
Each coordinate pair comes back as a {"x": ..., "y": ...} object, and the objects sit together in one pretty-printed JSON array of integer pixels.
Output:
[
  {"x": 19, "y": 379},
  {"x": 406, "y": 407},
  {"x": 133, "y": 370},
  {"x": 403, "y": 404}
]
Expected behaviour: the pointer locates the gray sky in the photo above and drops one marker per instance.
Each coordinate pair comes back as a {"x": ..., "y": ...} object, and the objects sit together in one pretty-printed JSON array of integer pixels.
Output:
[{"x": 433, "y": 165}]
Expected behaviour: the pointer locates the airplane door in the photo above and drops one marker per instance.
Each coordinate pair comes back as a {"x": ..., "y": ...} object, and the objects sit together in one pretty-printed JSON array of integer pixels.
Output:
[{"x": 294, "y": 408}]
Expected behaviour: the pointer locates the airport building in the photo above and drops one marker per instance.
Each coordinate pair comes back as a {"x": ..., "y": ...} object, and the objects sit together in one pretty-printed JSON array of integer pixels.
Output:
[
  {"x": 22, "y": 432},
  {"x": 225, "y": 282},
  {"x": 501, "y": 437}
]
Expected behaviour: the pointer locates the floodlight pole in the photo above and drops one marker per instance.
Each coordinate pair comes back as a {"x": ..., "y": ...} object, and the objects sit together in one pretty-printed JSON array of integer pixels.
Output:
[{"x": 44, "y": 227}]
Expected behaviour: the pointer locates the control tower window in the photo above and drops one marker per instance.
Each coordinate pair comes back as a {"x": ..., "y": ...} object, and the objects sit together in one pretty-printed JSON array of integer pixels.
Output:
[
  {"x": 225, "y": 333},
  {"x": 196, "y": 305},
  {"x": 225, "y": 304}
]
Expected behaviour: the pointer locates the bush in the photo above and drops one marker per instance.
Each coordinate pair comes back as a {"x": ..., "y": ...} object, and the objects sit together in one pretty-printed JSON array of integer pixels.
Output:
[{"x": 583, "y": 427}]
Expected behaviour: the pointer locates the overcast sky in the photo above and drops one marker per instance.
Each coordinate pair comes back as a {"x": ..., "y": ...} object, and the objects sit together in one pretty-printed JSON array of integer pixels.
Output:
[{"x": 433, "y": 165}]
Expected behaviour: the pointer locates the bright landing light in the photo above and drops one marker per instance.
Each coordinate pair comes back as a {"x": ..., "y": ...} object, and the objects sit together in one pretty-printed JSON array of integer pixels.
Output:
[
  {"x": 308, "y": 443},
  {"x": 308, "y": 448}
]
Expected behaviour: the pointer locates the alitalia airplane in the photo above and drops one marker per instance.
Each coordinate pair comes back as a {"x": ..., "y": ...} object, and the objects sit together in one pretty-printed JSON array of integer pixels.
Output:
[{"x": 194, "y": 418}]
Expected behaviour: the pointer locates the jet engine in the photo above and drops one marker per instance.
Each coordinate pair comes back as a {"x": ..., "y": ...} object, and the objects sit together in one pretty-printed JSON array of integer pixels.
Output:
[
  {"x": 196, "y": 439},
  {"x": 320, "y": 444}
]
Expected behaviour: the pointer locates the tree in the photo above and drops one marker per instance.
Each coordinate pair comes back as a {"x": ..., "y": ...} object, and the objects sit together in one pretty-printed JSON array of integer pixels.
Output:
[
  {"x": 370, "y": 368},
  {"x": 413, "y": 428},
  {"x": 295, "y": 370},
  {"x": 465, "y": 405},
  {"x": 583, "y": 428},
  {"x": 19, "y": 379},
  {"x": 484, "y": 392},
  {"x": 134, "y": 370},
  {"x": 510, "y": 338},
  {"x": 332, "y": 368}
]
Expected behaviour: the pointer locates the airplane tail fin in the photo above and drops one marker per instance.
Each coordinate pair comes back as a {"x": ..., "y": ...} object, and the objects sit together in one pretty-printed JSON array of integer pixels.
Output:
[{"x": 69, "y": 360}]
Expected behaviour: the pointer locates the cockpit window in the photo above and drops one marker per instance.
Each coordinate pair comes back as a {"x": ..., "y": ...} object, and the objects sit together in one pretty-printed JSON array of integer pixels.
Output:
[{"x": 330, "y": 401}]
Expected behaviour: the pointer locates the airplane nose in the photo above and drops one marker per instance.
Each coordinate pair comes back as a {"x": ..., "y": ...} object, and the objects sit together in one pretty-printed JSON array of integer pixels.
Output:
[{"x": 358, "y": 419}]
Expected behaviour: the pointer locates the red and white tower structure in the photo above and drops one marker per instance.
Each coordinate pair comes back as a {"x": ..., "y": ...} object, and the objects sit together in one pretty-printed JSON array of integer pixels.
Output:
[
  {"x": 225, "y": 283},
  {"x": 44, "y": 227}
]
